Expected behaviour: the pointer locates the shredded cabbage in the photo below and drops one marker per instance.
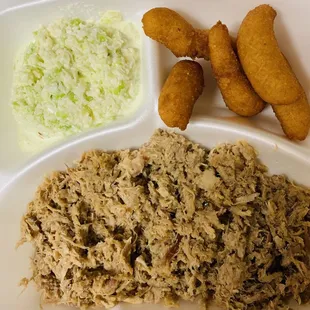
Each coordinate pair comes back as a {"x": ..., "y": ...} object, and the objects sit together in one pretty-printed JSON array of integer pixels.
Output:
[{"x": 74, "y": 76}]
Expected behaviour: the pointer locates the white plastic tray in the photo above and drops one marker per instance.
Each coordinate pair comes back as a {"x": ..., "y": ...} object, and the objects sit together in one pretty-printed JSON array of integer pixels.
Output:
[
  {"x": 212, "y": 122},
  {"x": 17, "y": 25}
]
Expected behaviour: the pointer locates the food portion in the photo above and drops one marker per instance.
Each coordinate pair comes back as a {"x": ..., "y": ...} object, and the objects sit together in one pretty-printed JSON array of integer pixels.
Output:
[
  {"x": 171, "y": 29},
  {"x": 236, "y": 90},
  {"x": 76, "y": 75},
  {"x": 270, "y": 73},
  {"x": 170, "y": 221},
  {"x": 262, "y": 75},
  {"x": 181, "y": 90},
  {"x": 262, "y": 60},
  {"x": 294, "y": 118}
]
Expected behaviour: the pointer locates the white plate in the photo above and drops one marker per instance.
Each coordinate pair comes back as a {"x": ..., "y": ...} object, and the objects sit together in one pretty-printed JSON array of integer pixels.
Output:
[{"x": 212, "y": 122}]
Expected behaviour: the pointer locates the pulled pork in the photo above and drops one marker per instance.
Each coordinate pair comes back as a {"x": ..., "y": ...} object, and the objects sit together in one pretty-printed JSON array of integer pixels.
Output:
[{"x": 170, "y": 221}]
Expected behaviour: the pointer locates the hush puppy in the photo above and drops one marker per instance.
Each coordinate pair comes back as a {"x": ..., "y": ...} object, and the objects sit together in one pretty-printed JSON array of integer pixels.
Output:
[
  {"x": 172, "y": 30},
  {"x": 262, "y": 60},
  {"x": 181, "y": 90},
  {"x": 236, "y": 90}
]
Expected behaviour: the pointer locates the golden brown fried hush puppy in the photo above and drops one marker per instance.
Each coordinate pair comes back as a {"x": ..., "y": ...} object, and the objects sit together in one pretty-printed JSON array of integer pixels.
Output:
[
  {"x": 172, "y": 30},
  {"x": 236, "y": 90},
  {"x": 262, "y": 60},
  {"x": 294, "y": 118},
  {"x": 201, "y": 43},
  {"x": 181, "y": 90}
]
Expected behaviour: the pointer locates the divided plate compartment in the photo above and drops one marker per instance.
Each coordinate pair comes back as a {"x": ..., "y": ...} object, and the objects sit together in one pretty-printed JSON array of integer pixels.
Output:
[
  {"x": 16, "y": 28},
  {"x": 212, "y": 123}
]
